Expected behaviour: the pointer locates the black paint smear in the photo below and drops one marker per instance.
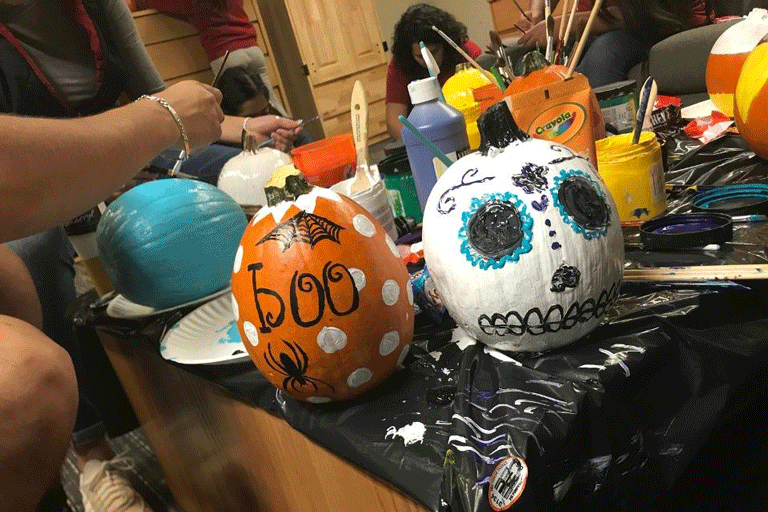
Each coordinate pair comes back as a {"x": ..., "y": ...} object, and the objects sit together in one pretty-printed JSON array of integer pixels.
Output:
[
  {"x": 447, "y": 202},
  {"x": 236, "y": 352},
  {"x": 565, "y": 277},
  {"x": 639, "y": 212},
  {"x": 305, "y": 228},
  {"x": 583, "y": 203},
  {"x": 495, "y": 230},
  {"x": 556, "y": 246},
  {"x": 531, "y": 178}
]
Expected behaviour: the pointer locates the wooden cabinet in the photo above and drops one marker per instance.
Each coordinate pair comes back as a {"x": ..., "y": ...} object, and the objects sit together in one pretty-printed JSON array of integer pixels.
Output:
[{"x": 339, "y": 41}]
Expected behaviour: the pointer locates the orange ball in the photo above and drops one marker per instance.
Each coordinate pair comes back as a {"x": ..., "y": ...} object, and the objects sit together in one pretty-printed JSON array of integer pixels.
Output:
[
  {"x": 323, "y": 300},
  {"x": 751, "y": 101}
]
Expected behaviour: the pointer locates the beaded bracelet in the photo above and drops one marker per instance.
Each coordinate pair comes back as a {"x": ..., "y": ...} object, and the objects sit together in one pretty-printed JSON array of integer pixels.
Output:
[{"x": 185, "y": 153}]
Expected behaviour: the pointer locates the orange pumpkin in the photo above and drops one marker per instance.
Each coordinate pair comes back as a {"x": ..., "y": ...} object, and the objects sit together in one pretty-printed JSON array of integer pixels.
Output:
[
  {"x": 751, "y": 100},
  {"x": 322, "y": 298}
]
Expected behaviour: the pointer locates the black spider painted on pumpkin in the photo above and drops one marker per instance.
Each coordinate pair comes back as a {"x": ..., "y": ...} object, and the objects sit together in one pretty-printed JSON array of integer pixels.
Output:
[{"x": 293, "y": 368}]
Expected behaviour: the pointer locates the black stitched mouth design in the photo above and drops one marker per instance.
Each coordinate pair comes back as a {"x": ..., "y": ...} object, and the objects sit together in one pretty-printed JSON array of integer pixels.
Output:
[{"x": 557, "y": 318}]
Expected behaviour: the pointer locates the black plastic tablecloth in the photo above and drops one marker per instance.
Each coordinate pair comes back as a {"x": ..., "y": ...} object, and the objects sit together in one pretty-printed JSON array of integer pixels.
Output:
[{"x": 656, "y": 409}]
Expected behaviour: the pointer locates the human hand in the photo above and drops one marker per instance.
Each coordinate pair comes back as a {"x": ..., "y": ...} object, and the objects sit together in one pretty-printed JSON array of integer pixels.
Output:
[
  {"x": 537, "y": 34},
  {"x": 282, "y": 131},
  {"x": 198, "y": 106}
]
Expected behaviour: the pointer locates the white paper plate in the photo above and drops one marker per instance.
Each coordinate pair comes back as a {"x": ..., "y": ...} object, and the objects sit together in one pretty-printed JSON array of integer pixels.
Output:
[
  {"x": 208, "y": 335},
  {"x": 120, "y": 307}
]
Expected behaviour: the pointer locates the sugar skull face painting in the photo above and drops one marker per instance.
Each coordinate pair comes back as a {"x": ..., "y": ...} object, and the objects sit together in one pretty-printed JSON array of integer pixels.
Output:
[{"x": 524, "y": 243}]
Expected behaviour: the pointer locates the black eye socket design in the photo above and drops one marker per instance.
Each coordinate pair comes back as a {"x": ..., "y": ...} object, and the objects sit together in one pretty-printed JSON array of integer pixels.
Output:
[
  {"x": 497, "y": 229},
  {"x": 581, "y": 203}
]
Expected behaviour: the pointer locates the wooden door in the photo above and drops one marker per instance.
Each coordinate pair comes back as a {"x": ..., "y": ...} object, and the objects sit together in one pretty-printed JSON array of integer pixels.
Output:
[
  {"x": 320, "y": 36},
  {"x": 363, "y": 34}
]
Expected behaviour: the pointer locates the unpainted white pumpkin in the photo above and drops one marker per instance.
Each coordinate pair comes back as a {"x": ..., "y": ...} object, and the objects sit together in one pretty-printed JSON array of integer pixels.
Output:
[{"x": 523, "y": 241}]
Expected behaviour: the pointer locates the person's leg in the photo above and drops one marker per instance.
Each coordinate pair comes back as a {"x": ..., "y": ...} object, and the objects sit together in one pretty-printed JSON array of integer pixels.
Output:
[
  {"x": 38, "y": 401},
  {"x": 252, "y": 58},
  {"x": 610, "y": 56}
]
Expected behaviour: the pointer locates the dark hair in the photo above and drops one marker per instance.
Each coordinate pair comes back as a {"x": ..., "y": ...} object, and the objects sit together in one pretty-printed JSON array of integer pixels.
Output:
[
  {"x": 238, "y": 85},
  {"x": 416, "y": 25},
  {"x": 654, "y": 20}
]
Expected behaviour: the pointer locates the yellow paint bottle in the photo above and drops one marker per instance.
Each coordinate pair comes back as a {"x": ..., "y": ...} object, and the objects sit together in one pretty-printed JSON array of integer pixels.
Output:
[
  {"x": 634, "y": 173},
  {"x": 458, "y": 94}
]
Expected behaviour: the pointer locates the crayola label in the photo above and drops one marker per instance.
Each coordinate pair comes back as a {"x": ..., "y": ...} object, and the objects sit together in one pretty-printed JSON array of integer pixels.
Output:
[{"x": 559, "y": 123}]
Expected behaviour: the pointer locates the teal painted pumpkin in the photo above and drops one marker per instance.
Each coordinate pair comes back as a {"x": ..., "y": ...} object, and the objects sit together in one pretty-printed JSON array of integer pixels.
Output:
[{"x": 170, "y": 241}]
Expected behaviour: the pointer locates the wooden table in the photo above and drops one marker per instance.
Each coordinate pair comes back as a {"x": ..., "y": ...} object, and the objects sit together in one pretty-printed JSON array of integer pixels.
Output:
[{"x": 221, "y": 454}]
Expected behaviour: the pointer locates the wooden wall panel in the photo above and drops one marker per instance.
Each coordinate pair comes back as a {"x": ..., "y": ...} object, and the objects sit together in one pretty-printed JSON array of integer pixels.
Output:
[
  {"x": 335, "y": 96},
  {"x": 377, "y": 123}
]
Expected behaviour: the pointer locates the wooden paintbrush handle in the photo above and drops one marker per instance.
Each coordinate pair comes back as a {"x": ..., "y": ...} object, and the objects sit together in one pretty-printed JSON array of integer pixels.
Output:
[
  {"x": 359, "y": 112},
  {"x": 584, "y": 37}
]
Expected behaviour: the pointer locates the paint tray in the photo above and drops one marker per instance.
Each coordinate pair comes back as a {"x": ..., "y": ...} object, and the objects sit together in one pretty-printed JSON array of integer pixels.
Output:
[{"x": 686, "y": 230}]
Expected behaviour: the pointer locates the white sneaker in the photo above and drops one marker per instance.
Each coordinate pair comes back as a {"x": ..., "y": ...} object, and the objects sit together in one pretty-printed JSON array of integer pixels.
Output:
[{"x": 104, "y": 489}]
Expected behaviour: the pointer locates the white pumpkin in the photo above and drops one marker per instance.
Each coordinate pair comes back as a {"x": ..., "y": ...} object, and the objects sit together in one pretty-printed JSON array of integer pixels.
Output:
[
  {"x": 244, "y": 175},
  {"x": 524, "y": 243}
]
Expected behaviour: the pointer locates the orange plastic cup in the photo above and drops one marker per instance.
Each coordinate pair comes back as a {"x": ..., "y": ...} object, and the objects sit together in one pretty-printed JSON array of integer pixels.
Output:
[{"x": 328, "y": 161}]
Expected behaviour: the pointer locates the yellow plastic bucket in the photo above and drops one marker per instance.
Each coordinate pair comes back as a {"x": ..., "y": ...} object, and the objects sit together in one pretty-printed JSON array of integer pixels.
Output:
[{"x": 634, "y": 173}]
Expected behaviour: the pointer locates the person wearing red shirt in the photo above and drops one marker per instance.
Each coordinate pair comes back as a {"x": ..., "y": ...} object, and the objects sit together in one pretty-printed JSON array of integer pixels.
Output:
[
  {"x": 222, "y": 26},
  {"x": 622, "y": 35},
  {"x": 407, "y": 64}
]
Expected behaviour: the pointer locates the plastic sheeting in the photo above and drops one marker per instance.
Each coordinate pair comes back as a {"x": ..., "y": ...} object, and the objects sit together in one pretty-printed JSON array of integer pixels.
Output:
[{"x": 611, "y": 422}]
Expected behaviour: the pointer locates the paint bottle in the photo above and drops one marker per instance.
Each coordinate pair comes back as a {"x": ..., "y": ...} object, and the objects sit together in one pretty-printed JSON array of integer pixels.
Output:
[{"x": 441, "y": 124}]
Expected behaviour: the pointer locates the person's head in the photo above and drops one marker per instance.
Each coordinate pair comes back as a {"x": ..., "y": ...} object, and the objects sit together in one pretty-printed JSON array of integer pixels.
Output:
[
  {"x": 244, "y": 93},
  {"x": 415, "y": 25}
]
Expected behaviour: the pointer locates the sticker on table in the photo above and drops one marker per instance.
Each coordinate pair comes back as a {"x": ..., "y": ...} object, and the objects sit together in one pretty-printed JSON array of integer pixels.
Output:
[{"x": 507, "y": 483}]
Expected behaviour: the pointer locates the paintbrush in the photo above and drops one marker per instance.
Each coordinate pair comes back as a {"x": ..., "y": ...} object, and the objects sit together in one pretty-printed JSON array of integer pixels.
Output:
[
  {"x": 550, "y": 29},
  {"x": 518, "y": 28},
  {"x": 570, "y": 24},
  {"x": 525, "y": 14},
  {"x": 432, "y": 67},
  {"x": 301, "y": 124},
  {"x": 221, "y": 68},
  {"x": 464, "y": 54},
  {"x": 427, "y": 143},
  {"x": 561, "y": 32},
  {"x": 502, "y": 62},
  {"x": 645, "y": 95},
  {"x": 584, "y": 37}
]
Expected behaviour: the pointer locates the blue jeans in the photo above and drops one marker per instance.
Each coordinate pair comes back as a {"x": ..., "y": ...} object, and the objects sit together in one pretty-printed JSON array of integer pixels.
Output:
[
  {"x": 610, "y": 56},
  {"x": 49, "y": 257}
]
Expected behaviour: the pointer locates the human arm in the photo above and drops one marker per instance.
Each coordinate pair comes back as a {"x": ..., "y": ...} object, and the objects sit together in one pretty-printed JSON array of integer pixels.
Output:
[
  {"x": 282, "y": 130},
  {"x": 394, "y": 126},
  {"x": 52, "y": 170}
]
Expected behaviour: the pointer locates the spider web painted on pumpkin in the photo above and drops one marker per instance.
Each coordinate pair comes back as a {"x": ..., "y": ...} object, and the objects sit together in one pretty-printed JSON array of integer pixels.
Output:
[{"x": 305, "y": 228}]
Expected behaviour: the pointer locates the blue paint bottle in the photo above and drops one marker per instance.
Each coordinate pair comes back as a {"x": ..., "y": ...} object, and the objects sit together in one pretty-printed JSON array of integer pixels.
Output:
[{"x": 439, "y": 123}]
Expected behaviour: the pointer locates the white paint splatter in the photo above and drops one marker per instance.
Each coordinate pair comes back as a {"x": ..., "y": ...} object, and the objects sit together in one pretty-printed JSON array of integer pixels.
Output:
[
  {"x": 597, "y": 367},
  {"x": 389, "y": 343},
  {"x": 617, "y": 358},
  {"x": 363, "y": 226},
  {"x": 461, "y": 338},
  {"x": 238, "y": 259},
  {"x": 390, "y": 292},
  {"x": 501, "y": 357},
  {"x": 331, "y": 339},
  {"x": 251, "y": 333},
  {"x": 546, "y": 383},
  {"x": 359, "y": 377},
  {"x": 358, "y": 276},
  {"x": 436, "y": 355},
  {"x": 411, "y": 434}
]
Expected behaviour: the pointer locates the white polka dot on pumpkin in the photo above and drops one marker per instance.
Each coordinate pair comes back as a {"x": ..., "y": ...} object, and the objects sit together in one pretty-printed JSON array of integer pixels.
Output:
[
  {"x": 409, "y": 292},
  {"x": 363, "y": 226},
  {"x": 318, "y": 399},
  {"x": 402, "y": 355},
  {"x": 389, "y": 343},
  {"x": 390, "y": 292},
  {"x": 251, "y": 333},
  {"x": 393, "y": 247},
  {"x": 358, "y": 277},
  {"x": 238, "y": 259},
  {"x": 331, "y": 339},
  {"x": 235, "y": 307},
  {"x": 359, "y": 377}
]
